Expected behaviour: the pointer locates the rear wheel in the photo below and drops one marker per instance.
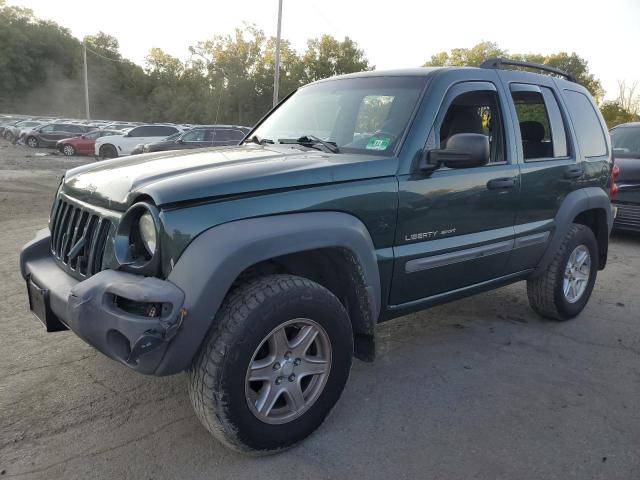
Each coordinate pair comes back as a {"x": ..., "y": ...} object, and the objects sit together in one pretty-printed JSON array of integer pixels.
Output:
[
  {"x": 564, "y": 289},
  {"x": 108, "y": 151},
  {"x": 32, "y": 142},
  {"x": 274, "y": 365},
  {"x": 68, "y": 150}
]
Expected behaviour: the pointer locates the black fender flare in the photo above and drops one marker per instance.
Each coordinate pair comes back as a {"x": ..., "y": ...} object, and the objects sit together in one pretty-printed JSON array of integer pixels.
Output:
[
  {"x": 214, "y": 259},
  {"x": 574, "y": 203}
]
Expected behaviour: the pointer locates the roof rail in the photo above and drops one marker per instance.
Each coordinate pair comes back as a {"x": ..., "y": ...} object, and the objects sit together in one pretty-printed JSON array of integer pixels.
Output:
[{"x": 497, "y": 63}]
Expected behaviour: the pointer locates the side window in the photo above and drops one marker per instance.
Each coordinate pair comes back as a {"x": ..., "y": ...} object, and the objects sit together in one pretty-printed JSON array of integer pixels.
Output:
[
  {"x": 195, "y": 136},
  {"x": 47, "y": 129},
  {"x": 477, "y": 111},
  {"x": 162, "y": 131},
  {"x": 541, "y": 125},
  {"x": 138, "y": 132},
  {"x": 588, "y": 128},
  {"x": 236, "y": 135},
  {"x": 227, "y": 135}
]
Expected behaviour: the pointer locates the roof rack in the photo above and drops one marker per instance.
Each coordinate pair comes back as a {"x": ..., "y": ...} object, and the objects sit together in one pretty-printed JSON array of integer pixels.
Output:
[{"x": 497, "y": 63}]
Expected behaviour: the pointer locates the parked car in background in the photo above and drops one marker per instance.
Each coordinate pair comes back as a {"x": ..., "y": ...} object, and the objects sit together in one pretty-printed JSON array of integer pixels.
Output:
[
  {"x": 49, "y": 134},
  {"x": 199, "y": 137},
  {"x": 118, "y": 145},
  {"x": 171, "y": 138},
  {"x": 13, "y": 133},
  {"x": 625, "y": 139},
  {"x": 120, "y": 125},
  {"x": 84, "y": 144}
]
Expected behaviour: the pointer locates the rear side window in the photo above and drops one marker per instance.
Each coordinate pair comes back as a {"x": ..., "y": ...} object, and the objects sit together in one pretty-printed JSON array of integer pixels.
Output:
[
  {"x": 161, "y": 131},
  {"x": 588, "y": 128},
  {"x": 542, "y": 128},
  {"x": 226, "y": 135}
]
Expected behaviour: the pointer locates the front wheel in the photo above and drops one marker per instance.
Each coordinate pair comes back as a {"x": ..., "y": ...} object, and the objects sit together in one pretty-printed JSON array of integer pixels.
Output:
[
  {"x": 274, "y": 365},
  {"x": 563, "y": 290},
  {"x": 68, "y": 150},
  {"x": 108, "y": 151},
  {"x": 32, "y": 142}
]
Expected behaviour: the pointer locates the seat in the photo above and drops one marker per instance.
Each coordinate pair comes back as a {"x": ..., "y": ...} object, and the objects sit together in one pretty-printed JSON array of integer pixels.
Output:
[
  {"x": 532, "y": 140},
  {"x": 460, "y": 119}
]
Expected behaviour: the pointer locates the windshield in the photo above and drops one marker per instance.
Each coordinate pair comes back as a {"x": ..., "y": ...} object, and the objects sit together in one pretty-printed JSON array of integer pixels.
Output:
[
  {"x": 357, "y": 115},
  {"x": 626, "y": 141}
]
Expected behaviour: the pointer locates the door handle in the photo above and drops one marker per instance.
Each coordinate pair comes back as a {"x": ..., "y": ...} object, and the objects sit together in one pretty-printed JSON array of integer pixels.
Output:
[
  {"x": 500, "y": 183},
  {"x": 574, "y": 171}
]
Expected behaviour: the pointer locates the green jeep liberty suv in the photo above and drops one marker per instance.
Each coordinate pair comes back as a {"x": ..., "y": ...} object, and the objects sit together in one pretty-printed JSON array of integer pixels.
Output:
[{"x": 262, "y": 269}]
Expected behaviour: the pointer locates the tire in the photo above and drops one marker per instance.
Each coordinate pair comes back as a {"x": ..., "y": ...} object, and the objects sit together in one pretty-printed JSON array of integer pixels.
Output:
[
  {"x": 224, "y": 399},
  {"x": 547, "y": 293},
  {"x": 32, "y": 142},
  {"x": 108, "y": 151},
  {"x": 68, "y": 150}
]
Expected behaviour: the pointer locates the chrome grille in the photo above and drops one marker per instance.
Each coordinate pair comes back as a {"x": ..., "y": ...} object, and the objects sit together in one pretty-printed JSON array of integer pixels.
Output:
[{"x": 78, "y": 237}]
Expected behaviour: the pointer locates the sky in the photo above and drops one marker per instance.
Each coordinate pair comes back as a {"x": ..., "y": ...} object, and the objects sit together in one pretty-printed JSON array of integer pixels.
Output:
[{"x": 398, "y": 34}]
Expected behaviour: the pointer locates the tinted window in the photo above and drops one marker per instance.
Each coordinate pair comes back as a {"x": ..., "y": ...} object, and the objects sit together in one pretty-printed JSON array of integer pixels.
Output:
[
  {"x": 139, "y": 132},
  {"x": 541, "y": 126},
  {"x": 47, "y": 129},
  {"x": 228, "y": 135},
  {"x": 195, "y": 136},
  {"x": 475, "y": 112},
  {"x": 160, "y": 131},
  {"x": 587, "y": 124},
  {"x": 626, "y": 141}
]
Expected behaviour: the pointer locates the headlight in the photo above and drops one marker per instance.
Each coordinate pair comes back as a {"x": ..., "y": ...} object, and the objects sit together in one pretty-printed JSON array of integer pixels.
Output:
[
  {"x": 148, "y": 233},
  {"x": 137, "y": 240}
]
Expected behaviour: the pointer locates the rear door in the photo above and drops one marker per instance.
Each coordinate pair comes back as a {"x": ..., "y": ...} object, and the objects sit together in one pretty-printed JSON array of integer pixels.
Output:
[
  {"x": 549, "y": 162},
  {"x": 455, "y": 226}
]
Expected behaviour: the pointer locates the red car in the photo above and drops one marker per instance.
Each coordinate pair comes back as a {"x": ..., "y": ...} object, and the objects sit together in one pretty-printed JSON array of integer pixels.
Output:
[{"x": 83, "y": 145}]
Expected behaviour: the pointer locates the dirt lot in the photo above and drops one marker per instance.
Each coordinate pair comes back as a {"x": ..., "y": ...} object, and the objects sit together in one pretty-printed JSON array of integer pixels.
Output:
[{"x": 481, "y": 388}]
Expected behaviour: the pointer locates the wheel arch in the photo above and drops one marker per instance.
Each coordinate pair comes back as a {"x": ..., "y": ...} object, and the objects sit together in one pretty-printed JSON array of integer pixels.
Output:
[
  {"x": 320, "y": 246},
  {"x": 588, "y": 206}
]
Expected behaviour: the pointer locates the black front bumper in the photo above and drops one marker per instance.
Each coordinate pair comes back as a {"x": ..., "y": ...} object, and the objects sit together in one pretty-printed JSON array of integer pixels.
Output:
[{"x": 89, "y": 309}]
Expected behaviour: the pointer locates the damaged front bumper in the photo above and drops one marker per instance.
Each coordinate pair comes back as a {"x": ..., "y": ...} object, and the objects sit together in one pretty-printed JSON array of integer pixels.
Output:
[{"x": 128, "y": 317}]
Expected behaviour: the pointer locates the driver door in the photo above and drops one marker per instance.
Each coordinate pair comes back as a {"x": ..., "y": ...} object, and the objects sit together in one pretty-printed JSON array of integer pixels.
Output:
[{"x": 456, "y": 226}]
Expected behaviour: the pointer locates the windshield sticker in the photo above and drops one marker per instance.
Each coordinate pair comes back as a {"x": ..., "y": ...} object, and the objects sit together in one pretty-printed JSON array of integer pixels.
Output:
[{"x": 378, "y": 143}]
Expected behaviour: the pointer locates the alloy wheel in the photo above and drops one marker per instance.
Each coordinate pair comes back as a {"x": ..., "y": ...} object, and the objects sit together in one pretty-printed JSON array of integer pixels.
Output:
[
  {"x": 288, "y": 371},
  {"x": 576, "y": 274}
]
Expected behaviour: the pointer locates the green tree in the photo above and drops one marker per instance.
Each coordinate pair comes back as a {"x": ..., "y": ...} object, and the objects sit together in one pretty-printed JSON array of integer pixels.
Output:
[
  {"x": 326, "y": 56},
  {"x": 471, "y": 57},
  {"x": 474, "y": 56}
]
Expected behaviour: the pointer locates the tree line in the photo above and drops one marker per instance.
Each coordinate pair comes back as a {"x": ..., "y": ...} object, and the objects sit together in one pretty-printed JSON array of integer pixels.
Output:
[{"x": 226, "y": 79}]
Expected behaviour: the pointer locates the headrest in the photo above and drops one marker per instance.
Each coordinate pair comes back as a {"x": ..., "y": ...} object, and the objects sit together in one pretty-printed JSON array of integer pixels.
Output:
[{"x": 531, "y": 131}]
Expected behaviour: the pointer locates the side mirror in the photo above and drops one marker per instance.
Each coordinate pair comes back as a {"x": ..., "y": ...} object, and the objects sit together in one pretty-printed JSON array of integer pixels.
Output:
[{"x": 464, "y": 150}]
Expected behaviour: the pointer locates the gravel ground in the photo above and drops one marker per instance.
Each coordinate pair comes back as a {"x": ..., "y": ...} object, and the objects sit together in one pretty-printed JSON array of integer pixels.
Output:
[{"x": 477, "y": 389}]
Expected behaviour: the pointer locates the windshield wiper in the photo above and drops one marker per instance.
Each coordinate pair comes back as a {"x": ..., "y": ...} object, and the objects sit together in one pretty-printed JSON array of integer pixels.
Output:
[
  {"x": 259, "y": 141},
  {"x": 311, "y": 140}
]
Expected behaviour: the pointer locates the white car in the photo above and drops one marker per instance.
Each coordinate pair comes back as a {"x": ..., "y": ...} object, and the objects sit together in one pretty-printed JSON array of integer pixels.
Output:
[
  {"x": 118, "y": 145},
  {"x": 16, "y": 131}
]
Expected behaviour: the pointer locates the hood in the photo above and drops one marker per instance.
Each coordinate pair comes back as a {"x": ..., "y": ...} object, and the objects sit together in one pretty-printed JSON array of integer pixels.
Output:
[{"x": 181, "y": 176}]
